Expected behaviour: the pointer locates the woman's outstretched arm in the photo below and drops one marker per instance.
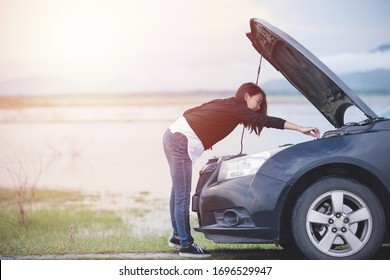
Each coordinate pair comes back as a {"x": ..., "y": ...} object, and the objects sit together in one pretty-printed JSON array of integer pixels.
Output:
[{"x": 311, "y": 131}]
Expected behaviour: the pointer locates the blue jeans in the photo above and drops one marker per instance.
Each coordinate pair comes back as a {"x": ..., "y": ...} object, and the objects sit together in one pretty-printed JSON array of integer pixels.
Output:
[{"x": 180, "y": 164}]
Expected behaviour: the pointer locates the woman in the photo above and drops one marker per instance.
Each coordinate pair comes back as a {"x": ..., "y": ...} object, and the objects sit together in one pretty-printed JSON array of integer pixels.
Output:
[{"x": 198, "y": 130}]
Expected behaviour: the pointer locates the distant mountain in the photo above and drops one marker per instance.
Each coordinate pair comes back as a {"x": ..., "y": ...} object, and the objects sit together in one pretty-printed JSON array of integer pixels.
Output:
[
  {"x": 278, "y": 87},
  {"x": 375, "y": 81},
  {"x": 382, "y": 48}
]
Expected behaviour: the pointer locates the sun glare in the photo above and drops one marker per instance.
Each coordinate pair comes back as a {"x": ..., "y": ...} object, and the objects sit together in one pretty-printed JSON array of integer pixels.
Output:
[
  {"x": 79, "y": 41},
  {"x": 85, "y": 41}
]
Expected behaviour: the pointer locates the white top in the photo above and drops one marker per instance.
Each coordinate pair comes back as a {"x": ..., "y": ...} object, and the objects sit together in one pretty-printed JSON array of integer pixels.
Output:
[{"x": 195, "y": 146}]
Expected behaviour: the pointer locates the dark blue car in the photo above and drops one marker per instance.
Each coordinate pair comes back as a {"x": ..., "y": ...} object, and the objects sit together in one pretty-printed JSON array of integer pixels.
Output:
[{"x": 328, "y": 198}]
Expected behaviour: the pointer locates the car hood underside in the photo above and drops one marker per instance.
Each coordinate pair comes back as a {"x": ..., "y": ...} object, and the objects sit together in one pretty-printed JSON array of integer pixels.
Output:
[{"x": 305, "y": 72}]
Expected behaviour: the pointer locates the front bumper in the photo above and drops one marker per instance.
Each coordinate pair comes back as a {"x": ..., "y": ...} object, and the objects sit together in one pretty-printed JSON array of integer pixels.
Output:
[{"x": 242, "y": 210}]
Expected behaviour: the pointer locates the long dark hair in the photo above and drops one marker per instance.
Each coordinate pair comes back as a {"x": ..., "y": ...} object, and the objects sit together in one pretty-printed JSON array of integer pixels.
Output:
[{"x": 252, "y": 89}]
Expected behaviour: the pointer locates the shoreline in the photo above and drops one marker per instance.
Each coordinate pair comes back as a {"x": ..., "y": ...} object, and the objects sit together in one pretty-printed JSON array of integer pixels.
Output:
[
  {"x": 122, "y": 109},
  {"x": 123, "y": 100}
]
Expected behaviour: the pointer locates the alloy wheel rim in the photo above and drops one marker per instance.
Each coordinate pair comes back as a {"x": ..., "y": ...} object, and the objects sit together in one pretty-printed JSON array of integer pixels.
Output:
[{"x": 339, "y": 223}]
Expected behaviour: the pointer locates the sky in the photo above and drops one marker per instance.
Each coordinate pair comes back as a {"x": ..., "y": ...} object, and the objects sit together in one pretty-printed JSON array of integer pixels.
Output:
[{"x": 174, "y": 45}]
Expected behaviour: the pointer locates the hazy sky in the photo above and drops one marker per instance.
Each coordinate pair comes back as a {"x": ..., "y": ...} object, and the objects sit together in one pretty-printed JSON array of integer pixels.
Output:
[{"x": 179, "y": 44}]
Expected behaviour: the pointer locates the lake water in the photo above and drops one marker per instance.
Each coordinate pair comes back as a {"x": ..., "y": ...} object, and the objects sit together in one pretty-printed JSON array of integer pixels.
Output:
[{"x": 118, "y": 150}]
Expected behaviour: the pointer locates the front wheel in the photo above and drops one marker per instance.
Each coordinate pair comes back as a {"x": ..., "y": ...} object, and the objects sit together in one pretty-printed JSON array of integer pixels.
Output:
[{"x": 338, "y": 218}]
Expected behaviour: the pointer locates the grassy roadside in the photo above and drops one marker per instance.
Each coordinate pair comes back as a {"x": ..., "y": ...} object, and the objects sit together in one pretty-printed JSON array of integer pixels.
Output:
[
  {"x": 69, "y": 222},
  {"x": 61, "y": 222}
]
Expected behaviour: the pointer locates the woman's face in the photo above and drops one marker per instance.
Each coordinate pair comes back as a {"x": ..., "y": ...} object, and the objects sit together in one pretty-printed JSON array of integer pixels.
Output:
[{"x": 253, "y": 102}]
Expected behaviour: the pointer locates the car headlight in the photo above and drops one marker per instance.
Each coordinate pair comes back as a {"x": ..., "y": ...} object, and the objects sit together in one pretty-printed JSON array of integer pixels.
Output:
[{"x": 244, "y": 166}]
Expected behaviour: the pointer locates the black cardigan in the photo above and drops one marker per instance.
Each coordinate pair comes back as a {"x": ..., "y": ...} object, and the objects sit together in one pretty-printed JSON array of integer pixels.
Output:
[{"x": 216, "y": 119}]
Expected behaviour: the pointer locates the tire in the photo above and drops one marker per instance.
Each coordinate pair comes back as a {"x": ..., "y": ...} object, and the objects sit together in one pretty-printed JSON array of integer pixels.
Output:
[{"x": 338, "y": 218}]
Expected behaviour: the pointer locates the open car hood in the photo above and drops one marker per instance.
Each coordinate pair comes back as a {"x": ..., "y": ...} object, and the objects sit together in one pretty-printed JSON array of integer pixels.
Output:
[{"x": 305, "y": 72}]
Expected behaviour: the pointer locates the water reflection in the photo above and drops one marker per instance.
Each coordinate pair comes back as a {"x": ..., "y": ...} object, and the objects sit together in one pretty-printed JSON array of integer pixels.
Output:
[{"x": 119, "y": 150}]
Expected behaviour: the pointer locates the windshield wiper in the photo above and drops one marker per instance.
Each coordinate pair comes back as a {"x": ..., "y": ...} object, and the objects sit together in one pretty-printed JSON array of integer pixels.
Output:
[
  {"x": 353, "y": 127},
  {"x": 368, "y": 121}
]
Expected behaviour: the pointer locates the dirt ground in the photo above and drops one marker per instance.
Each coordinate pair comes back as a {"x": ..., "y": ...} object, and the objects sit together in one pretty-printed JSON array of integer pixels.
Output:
[
  {"x": 383, "y": 254},
  {"x": 122, "y": 256}
]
